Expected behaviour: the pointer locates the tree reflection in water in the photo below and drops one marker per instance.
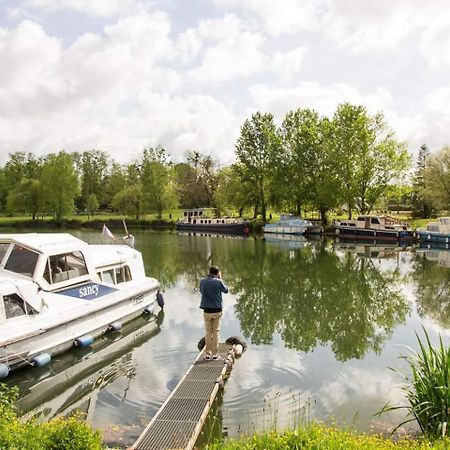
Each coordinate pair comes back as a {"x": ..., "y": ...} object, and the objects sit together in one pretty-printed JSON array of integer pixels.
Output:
[
  {"x": 432, "y": 277},
  {"x": 315, "y": 296}
]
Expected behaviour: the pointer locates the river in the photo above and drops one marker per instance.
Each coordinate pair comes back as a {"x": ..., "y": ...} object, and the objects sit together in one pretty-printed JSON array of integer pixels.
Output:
[{"x": 324, "y": 321}]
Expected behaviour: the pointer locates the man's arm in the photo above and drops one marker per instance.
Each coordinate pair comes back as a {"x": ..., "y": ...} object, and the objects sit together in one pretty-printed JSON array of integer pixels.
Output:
[{"x": 223, "y": 287}]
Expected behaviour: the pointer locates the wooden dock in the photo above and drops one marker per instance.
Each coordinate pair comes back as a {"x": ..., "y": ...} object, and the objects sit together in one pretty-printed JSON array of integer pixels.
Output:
[{"x": 178, "y": 422}]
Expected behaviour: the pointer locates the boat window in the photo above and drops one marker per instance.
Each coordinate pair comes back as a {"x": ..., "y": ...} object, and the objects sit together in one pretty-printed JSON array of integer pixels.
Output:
[
  {"x": 195, "y": 213},
  {"x": 185, "y": 214},
  {"x": 374, "y": 220},
  {"x": 209, "y": 221},
  {"x": 16, "y": 307},
  {"x": 201, "y": 221},
  {"x": 3, "y": 248},
  {"x": 123, "y": 274},
  {"x": 433, "y": 228},
  {"x": 361, "y": 218},
  {"x": 21, "y": 260},
  {"x": 64, "y": 267},
  {"x": 223, "y": 221},
  {"x": 200, "y": 213},
  {"x": 194, "y": 221},
  {"x": 108, "y": 276}
]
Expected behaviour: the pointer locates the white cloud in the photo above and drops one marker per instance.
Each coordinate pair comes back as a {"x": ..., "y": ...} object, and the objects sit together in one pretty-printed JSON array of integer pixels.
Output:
[
  {"x": 288, "y": 65},
  {"x": 290, "y": 16},
  {"x": 280, "y": 100},
  {"x": 101, "y": 8},
  {"x": 238, "y": 55}
]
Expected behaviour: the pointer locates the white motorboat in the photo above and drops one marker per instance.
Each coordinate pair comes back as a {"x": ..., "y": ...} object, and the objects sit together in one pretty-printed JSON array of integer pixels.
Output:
[
  {"x": 289, "y": 224},
  {"x": 57, "y": 291}
]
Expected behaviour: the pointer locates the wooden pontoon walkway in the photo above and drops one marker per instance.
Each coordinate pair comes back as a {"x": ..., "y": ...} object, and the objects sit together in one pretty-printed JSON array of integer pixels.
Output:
[{"x": 179, "y": 421}]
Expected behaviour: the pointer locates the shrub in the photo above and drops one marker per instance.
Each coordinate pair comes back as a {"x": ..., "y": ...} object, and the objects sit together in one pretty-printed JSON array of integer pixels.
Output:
[{"x": 58, "y": 434}]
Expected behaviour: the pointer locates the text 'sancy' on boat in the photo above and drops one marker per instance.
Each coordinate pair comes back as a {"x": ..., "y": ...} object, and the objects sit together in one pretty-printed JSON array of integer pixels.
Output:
[{"x": 57, "y": 292}]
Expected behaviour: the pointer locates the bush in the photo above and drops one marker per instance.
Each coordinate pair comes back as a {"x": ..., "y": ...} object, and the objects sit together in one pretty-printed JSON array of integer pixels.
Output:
[{"x": 58, "y": 434}]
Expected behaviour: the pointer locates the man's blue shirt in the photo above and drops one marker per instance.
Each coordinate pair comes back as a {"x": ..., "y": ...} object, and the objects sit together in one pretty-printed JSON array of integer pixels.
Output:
[{"x": 211, "y": 289}]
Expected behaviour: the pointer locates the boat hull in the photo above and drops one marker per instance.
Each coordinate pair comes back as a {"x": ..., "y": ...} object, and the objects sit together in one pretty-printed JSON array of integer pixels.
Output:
[
  {"x": 280, "y": 229},
  {"x": 230, "y": 228},
  {"x": 379, "y": 234},
  {"x": 430, "y": 236},
  {"x": 60, "y": 337}
]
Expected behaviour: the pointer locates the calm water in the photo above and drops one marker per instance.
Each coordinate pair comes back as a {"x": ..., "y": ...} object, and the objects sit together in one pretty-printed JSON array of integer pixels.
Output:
[{"x": 323, "y": 322}]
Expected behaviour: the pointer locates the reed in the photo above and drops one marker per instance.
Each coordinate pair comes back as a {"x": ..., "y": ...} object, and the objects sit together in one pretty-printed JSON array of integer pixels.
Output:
[{"x": 427, "y": 388}]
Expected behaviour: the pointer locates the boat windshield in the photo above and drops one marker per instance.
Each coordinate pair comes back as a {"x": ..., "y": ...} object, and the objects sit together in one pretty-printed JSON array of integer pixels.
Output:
[{"x": 22, "y": 260}]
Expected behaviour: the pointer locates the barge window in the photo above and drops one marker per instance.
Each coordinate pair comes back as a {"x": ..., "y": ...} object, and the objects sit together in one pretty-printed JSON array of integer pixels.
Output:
[
  {"x": 21, "y": 260},
  {"x": 16, "y": 307},
  {"x": 65, "y": 267},
  {"x": 374, "y": 220}
]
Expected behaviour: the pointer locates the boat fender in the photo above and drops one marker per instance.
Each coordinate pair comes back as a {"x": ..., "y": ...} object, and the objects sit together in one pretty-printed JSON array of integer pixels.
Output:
[
  {"x": 41, "y": 360},
  {"x": 150, "y": 309},
  {"x": 238, "y": 350},
  {"x": 160, "y": 299},
  {"x": 237, "y": 341},
  {"x": 201, "y": 344},
  {"x": 4, "y": 371},
  {"x": 115, "y": 326},
  {"x": 84, "y": 341},
  {"x": 337, "y": 231}
]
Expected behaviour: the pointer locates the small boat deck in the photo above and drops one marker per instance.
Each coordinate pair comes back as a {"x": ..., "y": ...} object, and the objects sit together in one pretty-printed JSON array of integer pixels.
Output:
[{"x": 179, "y": 421}]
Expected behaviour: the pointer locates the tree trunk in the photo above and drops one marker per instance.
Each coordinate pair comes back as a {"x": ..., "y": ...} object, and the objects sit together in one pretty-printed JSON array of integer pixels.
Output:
[
  {"x": 323, "y": 216},
  {"x": 298, "y": 209}
]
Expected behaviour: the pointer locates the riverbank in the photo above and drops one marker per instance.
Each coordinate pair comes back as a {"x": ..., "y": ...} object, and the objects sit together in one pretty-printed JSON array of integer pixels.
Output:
[{"x": 321, "y": 437}]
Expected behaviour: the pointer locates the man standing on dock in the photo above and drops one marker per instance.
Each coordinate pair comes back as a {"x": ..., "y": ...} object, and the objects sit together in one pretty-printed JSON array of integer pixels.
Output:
[{"x": 211, "y": 289}]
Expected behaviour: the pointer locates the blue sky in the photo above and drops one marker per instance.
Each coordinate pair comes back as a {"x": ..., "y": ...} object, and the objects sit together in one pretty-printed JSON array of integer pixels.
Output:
[{"x": 118, "y": 75}]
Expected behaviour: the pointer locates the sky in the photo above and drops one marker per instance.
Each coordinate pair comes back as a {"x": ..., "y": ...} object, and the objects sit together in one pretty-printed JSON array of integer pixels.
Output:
[{"x": 120, "y": 75}]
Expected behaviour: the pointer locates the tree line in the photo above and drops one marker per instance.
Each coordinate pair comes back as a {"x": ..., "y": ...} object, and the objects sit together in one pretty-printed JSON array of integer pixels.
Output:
[{"x": 350, "y": 162}]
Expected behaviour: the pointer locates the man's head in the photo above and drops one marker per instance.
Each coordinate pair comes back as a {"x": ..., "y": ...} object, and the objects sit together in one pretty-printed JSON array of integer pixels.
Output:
[{"x": 214, "y": 270}]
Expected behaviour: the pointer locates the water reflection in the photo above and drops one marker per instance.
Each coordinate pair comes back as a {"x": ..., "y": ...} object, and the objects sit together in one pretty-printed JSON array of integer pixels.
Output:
[
  {"x": 317, "y": 296},
  {"x": 432, "y": 278}
]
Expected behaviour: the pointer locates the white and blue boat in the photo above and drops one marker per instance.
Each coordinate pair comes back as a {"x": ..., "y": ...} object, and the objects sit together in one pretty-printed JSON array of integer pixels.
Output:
[
  {"x": 435, "y": 232},
  {"x": 290, "y": 224},
  {"x": 57, "y": 292}
]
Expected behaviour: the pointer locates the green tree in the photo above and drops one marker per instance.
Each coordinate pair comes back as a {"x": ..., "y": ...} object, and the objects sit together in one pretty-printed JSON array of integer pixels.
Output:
[
  {"x": 437, "y": 179},
  {"x": 256, "y": 150},
  {"x": 92, "y": 204},
  {"x": 60, "y": 184},
  {"x": 93, "y": 169},
  {"x": 129, "y": 201},
  {"x": 158, "y": 187},
  {"x": 26, "y": 197},
  {"x": 115, "y": 181},
  {"x": 231, "y": 192},
  {"x": 368, "y": 154}
]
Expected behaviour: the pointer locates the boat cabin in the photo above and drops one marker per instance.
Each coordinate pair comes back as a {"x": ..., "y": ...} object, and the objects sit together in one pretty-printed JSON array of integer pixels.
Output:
[
  {"x": 52, "y": 261},
  {"x": 441, "y": 226},
  {"x": 375, "y": 222}
]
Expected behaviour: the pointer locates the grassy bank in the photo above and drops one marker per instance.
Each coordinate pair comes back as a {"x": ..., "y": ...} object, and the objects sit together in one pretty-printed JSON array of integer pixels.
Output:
[{"x": 320, "y": 437}]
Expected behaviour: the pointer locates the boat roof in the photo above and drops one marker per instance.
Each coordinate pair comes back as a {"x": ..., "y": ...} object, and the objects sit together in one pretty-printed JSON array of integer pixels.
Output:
[
  {"x": 104, "y": 255},
  {"x": 45, "y": 242}
]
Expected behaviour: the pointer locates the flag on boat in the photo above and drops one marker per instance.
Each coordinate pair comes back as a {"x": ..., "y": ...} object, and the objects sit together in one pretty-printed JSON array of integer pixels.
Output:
[{"x": 107, "y": 232}]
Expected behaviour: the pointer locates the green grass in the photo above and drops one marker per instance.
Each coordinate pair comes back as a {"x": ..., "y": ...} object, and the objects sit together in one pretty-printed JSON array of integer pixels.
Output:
[{"x": 321, "y": 437}]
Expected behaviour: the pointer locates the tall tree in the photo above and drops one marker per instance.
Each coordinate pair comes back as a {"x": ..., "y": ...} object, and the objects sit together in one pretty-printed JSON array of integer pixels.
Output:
[
  {"x": 93, "y": 168},
  {"x": 420, "y": 201},
  {"x": 115, "y": 182},
  {"x": 158, "y": 187},
  {"x": 437, "y": 176},
  {"x": 369, "y": 155},
  {"x": 26, "y": 197},
  {"x": 129, "y": 201},
  {"x": 60, "y": 184},
  {"x": 256, "y": 150}
]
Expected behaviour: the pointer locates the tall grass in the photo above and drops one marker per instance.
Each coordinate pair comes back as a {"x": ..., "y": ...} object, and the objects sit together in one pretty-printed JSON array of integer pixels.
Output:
[{"x": 428, "y": 388}]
